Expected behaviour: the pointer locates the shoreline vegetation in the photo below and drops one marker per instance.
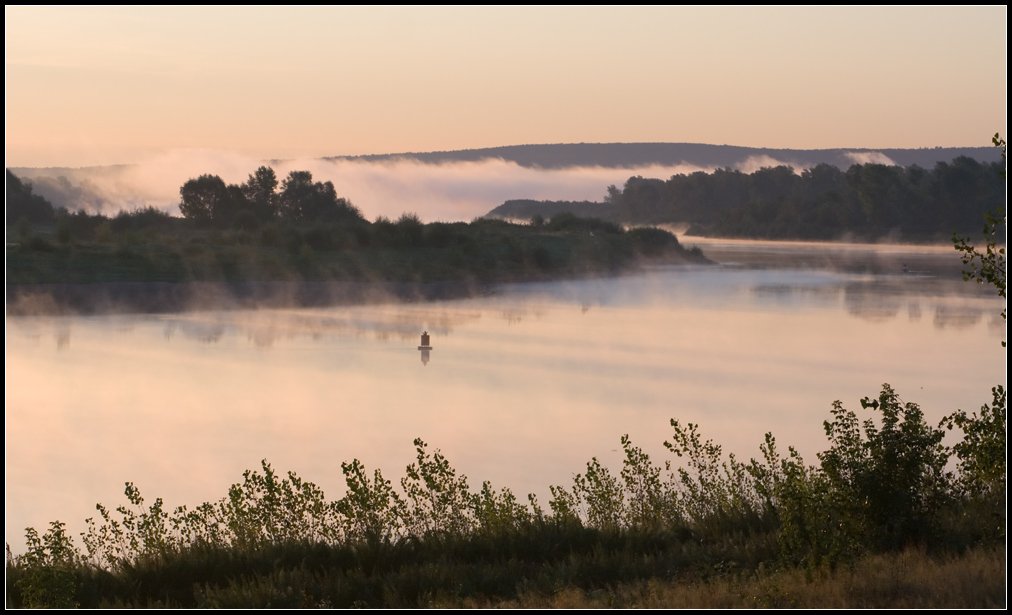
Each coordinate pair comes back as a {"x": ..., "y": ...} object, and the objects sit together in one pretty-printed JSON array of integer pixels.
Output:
[
  {"x": 888, "y": 516},
  {"x": 270, "y": 243}
]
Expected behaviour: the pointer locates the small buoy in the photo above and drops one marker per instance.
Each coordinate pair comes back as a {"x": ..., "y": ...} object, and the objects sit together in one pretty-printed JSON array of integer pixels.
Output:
[{"x": 425, "y": 348}]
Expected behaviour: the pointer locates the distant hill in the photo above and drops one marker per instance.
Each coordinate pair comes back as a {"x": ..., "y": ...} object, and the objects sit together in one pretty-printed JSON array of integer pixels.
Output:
[{"x": 561, "y": 155}]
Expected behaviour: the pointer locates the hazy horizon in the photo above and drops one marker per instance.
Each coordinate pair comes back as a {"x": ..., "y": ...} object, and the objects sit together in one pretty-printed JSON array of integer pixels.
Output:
[
  {"x": 111, "y": 85},
  {"x": 393, "y": 156}
]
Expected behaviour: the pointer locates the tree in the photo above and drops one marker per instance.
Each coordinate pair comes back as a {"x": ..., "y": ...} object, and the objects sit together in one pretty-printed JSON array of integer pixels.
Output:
[
  {"x": 296, "y": 194},
  {"x": 304, "y": 200},
  {"x": 987, "y": 266},
  {"x": 887, "y": 479},
  {"x": 983, "y": 450},
  {"x": 204, "y": 200},
  {"x": 613, "y": 196},
  {"x": 260, "y": 192}
]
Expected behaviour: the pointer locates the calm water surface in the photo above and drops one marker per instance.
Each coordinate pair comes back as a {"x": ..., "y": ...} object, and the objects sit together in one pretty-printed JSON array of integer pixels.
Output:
[{"x": 522, "y": 388}]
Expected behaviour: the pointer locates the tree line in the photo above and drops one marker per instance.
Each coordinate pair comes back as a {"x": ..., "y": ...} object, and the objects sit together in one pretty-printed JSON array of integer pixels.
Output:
[
  {"x": 207, "y": 201},
  {"x": 869, "y": 201}
]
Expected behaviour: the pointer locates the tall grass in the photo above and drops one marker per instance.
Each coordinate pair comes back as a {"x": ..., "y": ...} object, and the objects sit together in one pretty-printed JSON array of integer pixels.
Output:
[{"x": 911, "y": 579}]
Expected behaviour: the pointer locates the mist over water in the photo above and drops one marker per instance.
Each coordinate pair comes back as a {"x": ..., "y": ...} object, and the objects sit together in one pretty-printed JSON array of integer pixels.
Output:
[{"x": 522, "y": 388}]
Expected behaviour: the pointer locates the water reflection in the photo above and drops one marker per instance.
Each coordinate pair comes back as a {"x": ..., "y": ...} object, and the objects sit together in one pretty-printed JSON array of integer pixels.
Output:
[
  {"x": 62, "y": 336},
  {"x": 901, "y": 275},
  {"x": 871, "y": 302},
  {"x": 957, "y": 316},
  {"x": 264, "y": 328},
  {"x": 207, "y": 332}
]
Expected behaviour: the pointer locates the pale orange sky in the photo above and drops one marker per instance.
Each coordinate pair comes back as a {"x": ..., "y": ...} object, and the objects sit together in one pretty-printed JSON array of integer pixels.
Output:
[{"x": 106, "y": 85}]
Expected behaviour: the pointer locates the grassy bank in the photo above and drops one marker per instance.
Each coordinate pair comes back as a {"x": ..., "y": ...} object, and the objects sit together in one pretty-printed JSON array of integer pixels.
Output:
[{"x": 910, "y": 579}]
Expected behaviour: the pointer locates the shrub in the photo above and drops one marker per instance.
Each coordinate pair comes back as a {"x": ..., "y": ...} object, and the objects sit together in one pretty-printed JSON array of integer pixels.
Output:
[{"x": 890, "y": 479}]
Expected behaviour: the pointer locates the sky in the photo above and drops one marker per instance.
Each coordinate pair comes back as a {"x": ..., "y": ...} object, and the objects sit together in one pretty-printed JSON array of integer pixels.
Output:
[{"x": 105, "y": 85}]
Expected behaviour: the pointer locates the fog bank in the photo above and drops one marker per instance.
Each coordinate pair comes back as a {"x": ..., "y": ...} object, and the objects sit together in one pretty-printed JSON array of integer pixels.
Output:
[{"x": 449, "y": 191}]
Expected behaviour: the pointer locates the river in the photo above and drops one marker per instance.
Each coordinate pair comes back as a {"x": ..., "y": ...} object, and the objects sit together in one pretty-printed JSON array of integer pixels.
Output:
[{"x": 522, "y": 387}]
